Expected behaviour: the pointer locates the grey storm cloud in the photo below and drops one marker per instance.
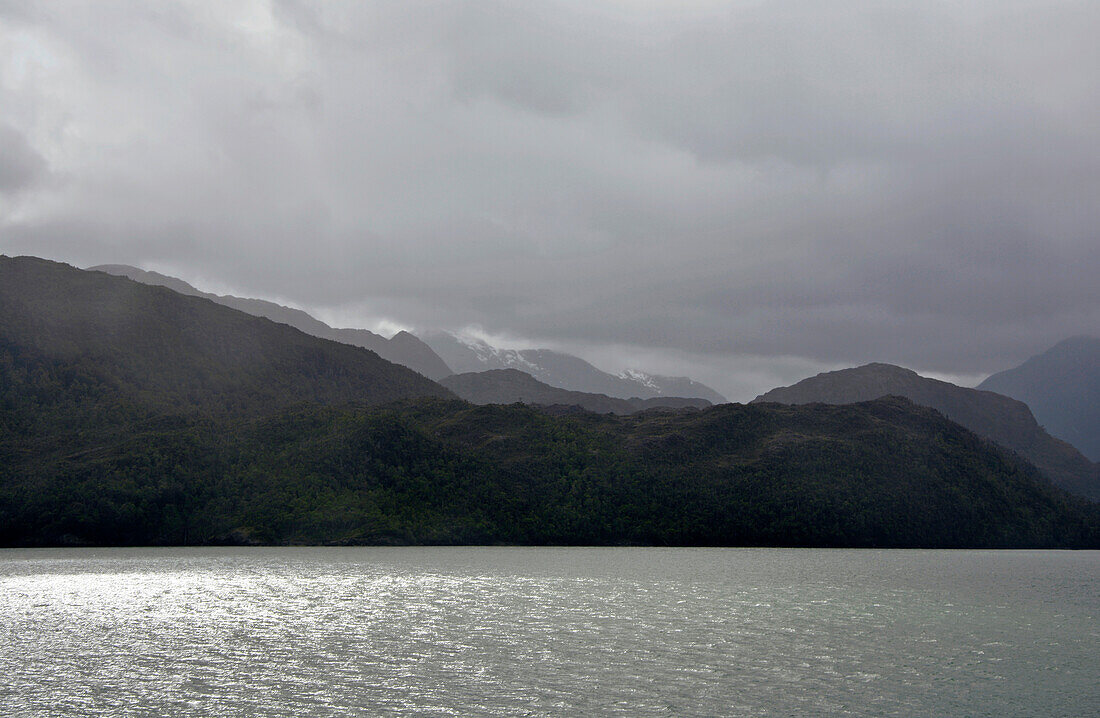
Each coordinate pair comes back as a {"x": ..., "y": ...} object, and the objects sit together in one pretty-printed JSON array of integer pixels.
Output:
[
  {"x": 717, "y": 186},
  {"x": 20, "y": 165}
]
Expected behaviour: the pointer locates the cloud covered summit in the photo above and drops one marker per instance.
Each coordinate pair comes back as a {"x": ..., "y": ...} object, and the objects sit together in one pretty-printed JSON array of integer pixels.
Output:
[{"x": 744, "y": 192}]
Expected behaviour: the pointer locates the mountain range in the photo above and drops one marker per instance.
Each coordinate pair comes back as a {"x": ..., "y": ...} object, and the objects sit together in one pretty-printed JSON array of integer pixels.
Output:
[
  {"x": 1007, "y": 421},
  {"x": 443, "y": 353},
  {"x": 1062, "y": 387},
  {"x": 564, "y": 371},
  {"x": 509, "y": 386},
  {"x": 403, "y": 348},
  {"x": 97, "y": 342},
  {"x": 132, "y": 414}
]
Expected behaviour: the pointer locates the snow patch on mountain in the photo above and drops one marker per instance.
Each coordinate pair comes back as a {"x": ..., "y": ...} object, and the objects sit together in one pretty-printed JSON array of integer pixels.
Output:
[
  {"x": 640, "y": 377},
  {"x": 474, "y": 351}
]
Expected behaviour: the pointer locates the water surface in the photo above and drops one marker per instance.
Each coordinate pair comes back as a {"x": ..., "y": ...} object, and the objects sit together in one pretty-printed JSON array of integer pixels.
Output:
[{"x": 548, "y": 631}]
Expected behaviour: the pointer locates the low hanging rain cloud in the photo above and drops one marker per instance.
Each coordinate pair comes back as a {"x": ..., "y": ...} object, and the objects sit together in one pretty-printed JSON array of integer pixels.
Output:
[{"x": 717, "y": 187}]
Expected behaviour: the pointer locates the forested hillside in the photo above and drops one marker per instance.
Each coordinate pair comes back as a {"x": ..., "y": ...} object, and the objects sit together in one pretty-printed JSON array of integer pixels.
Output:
[
  {"x": 1007, "y": 421},
  {"x": 133, "y": 415},
  {"x": 508, "y": 386}
]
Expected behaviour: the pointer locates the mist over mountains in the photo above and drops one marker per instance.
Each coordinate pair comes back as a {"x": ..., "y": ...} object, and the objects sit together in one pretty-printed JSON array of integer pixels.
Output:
[
  {"x": 781, "y": 274},
  {"x": 403, "y": 348},
  {"x": 1064, "y": 383},
  {"x": 1062, "y": 387},
  {"x": 758, "y": 191},
  {"x": 565, "y": 371},
  {"x": 444, "y": 353},
  {"x": 508, "y": 386},
  {"x": 135, "y": 414},
  {"x": 90, "y": 340}
]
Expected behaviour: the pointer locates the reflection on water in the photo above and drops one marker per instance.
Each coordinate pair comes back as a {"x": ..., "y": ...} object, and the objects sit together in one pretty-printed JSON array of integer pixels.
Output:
[{"x": 519, "y": 631}]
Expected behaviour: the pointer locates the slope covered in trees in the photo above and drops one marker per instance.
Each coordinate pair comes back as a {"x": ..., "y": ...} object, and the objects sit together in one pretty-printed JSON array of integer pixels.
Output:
[
  {"x": 508, "y": 386},
  {"x": 1007, "y": 421},
  {"x": 133, "y": 415},
  {"x": 886, "y": 473}
]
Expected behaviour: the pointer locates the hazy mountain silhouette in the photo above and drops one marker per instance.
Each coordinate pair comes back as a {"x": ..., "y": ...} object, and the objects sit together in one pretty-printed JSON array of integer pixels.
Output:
[
  {"x": 508, "y": 386},
  {"x": 441, "y": 354},
  {"x": 1007, "y": 421},
  {"x": 132, "y": 414},
  {"x": 1062, "y": 387},
  {"x": 561, "y": 370},
  {"x": 403, "y": 348},
  {"x": 148, "y": 345}
]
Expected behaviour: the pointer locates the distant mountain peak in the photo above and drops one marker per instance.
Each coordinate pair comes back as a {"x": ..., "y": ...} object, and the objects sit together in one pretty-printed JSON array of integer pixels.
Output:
[
  {"x": 1062, "y": 387},
  {"x": 509, "y": 386},
  {"x": 146, "y": 276},
  {"x": 1005, "y": 420},
  {"x": 439, "y": 354},
  {"x": 640, "y": 377},
  {"x": 469, "y": 354},
  {"x": 877, "y": 368},
  {"x": 403, "y": 348},
  {"x": 1078, "y": 341},
  {"x": 145, "y": 340},
  {"x": 884, "y": 367}
]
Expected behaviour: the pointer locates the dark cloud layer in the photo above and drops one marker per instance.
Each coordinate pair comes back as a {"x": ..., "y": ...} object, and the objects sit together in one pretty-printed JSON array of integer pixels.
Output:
[
  {"x": 20, "y": 166},
  {"x": 747, "y": 190}
]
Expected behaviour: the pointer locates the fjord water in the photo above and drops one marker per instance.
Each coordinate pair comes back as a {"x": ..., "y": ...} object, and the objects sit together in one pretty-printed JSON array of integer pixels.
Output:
[{"x": 548, "y": 631}]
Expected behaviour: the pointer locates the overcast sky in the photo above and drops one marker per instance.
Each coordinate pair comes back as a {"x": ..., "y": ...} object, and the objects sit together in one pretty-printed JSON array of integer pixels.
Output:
[{"x": 745, "y": 192}]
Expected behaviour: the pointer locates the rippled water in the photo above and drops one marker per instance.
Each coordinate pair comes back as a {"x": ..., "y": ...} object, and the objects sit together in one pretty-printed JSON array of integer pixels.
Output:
[{"x": 547, "y": 631}]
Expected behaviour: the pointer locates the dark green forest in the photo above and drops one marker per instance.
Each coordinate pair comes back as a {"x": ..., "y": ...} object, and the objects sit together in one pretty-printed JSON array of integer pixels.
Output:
[{"x": 133, "y": 415}]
